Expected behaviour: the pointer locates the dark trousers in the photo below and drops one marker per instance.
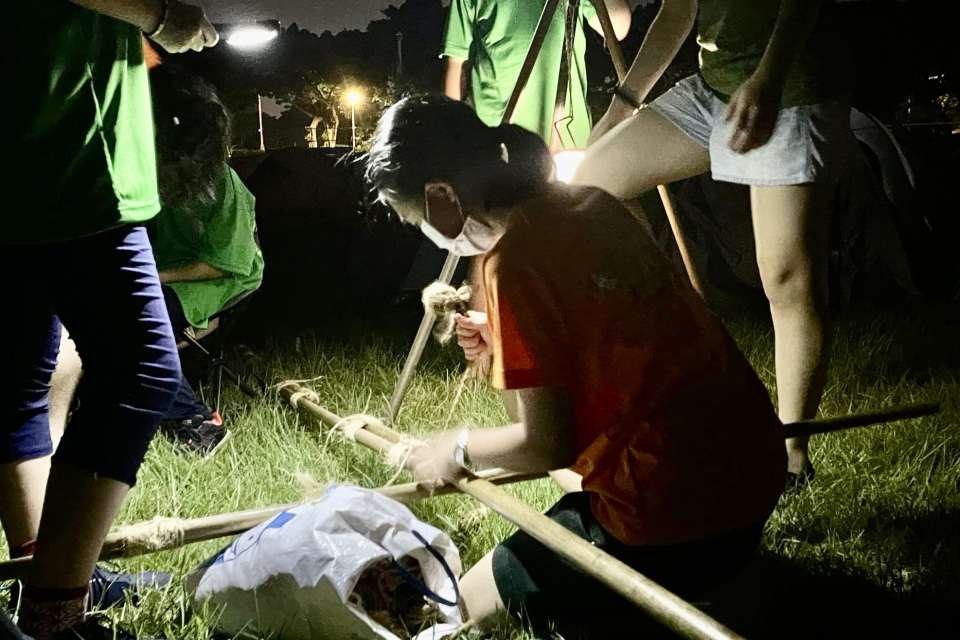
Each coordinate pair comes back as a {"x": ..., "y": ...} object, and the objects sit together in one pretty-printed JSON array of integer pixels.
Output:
[
  {"x": 105, "y": 290},
  {"x": 185, "y": 403}
]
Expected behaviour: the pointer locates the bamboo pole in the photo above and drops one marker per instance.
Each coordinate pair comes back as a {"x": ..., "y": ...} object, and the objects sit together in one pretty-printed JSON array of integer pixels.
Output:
[
  {"x": 450, "y": 265},
  {"x": 662, "y": 605},
  {"x": 826, "y": 425},
  {"x": 610, "y": 39},
  {"x": 125, "y": 543},
  {"x": 613, "y": 46}
]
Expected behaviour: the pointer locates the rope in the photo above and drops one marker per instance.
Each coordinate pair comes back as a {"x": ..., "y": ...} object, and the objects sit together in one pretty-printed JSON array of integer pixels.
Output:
[
  {"x": 351, "y": 424},
  {"x": 445, "y": 302},
  {"x": 299, "y": 395},
  {"x": 155, "y": 535}
]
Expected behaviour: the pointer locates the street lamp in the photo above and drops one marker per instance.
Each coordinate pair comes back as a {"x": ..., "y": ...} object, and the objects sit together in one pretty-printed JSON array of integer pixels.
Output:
[
  {"x": 353, "y": 98},
  {"x": 248, "y": 37}
]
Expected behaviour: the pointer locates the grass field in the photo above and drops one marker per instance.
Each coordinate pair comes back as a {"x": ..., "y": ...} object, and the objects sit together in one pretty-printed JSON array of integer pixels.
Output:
[{"x": 872, "y": 549}]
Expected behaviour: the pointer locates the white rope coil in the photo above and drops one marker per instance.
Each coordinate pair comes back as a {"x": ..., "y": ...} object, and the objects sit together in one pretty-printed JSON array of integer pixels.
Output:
[
  {"x": 147, "y": 537},
  {"x": 445, "y": 302}
]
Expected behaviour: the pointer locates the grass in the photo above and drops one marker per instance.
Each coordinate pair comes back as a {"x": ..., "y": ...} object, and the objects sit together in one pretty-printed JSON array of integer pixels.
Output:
[{"x": 870, "y": 550}]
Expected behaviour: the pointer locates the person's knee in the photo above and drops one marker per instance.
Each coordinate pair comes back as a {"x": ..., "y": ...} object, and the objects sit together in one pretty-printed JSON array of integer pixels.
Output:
[{"x": 790, "y": 283}]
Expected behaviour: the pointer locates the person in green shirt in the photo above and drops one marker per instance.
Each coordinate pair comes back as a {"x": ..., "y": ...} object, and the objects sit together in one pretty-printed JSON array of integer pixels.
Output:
[
  {"x": 204, "y": 237},
  {"x": 768, "y": 109},
  {"x": 493, "y": 36},
  {"x": 81, "y": 182}
]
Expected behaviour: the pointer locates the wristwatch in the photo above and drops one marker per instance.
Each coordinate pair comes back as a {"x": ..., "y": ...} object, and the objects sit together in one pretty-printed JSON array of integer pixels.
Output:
[{"x": 460, "y": 453}]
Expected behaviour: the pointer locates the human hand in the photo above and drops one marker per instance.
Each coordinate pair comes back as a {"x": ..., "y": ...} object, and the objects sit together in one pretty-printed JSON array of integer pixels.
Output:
[
  {"x": 185, "y": 28},
  {"x": 753, "y": 110},
  {"x": 434, "y": 464},
  {"x": 473, "y": 336},
  {"x": 616, "y": 113}
]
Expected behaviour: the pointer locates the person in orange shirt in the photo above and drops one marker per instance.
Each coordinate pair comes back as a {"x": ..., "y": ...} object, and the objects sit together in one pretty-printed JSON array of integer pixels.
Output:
[{"x": 663, "y": 434}]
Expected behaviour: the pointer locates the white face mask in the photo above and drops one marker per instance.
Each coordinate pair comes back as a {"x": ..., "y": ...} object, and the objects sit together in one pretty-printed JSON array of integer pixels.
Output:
[{"x": 474, "y": 239}]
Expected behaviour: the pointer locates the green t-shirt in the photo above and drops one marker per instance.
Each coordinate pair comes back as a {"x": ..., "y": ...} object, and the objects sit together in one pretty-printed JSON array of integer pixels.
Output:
[
  {"x": 733, "y": 34},
  {"x": 79, "y": 142},
  {"x": 220, "y": 235},
  {"x": 494, "y": 36}
]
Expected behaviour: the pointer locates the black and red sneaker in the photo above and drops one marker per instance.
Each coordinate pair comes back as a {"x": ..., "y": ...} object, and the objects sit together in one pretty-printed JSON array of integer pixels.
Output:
[{"x": 197, "y": 434}]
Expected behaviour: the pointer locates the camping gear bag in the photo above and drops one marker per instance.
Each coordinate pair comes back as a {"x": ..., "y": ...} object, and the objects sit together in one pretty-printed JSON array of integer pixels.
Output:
[{"x": 356, "y": 565}]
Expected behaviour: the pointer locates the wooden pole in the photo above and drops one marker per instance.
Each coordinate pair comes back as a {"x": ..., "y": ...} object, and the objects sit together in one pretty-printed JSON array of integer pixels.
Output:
[
  {"x": 620, "y": 65},
  {"x": 420, "y": 342},
  {"x": 450, "y": 266},
  {"x": 662, "y": 605},
  {"x": 826, "y": 425},
  {"x": 610, "y": 39},
  {"x": 124, "y": 542}
]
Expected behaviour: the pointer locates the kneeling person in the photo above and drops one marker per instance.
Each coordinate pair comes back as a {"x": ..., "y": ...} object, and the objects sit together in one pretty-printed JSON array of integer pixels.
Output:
[{"x": 623, "y": 373}]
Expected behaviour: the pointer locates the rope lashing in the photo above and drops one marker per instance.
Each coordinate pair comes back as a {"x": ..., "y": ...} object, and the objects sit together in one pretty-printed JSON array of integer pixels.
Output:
[
  {"x": 147, "y": 537},
  {"x": 445, "y": 302},
  {"x": 301, "y": 392}
]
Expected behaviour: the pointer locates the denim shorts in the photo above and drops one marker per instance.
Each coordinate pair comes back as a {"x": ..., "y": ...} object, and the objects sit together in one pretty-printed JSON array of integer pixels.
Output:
[{"x": 810, "y": 143}]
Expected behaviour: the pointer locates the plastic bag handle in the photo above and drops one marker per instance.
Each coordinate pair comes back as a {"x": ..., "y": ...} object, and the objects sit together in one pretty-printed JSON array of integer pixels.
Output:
[{"x": 423, "y": 589}]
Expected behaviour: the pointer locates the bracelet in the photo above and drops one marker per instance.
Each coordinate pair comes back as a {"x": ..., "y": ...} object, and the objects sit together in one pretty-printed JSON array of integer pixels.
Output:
[
  {"x": 460, "y": 453},
  {"x": 163, "y": 21},
  {"x": 626, "y": 97}
]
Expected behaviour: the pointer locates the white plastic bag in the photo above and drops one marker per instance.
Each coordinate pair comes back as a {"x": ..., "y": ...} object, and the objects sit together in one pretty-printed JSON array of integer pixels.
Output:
[{"x": 291, "y": 577}]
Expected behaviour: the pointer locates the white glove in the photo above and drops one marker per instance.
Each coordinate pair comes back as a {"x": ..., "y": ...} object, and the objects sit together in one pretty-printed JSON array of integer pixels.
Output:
[{"x": 184, "y": 28}]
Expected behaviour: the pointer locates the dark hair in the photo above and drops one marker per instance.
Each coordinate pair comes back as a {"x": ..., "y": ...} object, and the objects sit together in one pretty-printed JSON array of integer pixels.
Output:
[
  {"x": 433, "y": 138},
  {"x": 193, "y": 136}
]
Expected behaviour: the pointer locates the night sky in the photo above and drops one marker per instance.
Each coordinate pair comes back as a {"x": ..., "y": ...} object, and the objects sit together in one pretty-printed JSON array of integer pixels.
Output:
[{"x": 315, "y": 15}]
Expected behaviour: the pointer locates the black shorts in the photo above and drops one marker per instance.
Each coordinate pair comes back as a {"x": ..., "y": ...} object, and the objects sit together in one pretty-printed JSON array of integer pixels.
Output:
[{"x": 543, "y": 589}]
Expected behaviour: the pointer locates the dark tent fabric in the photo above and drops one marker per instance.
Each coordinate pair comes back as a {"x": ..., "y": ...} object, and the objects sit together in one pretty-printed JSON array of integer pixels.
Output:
[
  {"x": 327, "y": 256},
  {"x": 878, "y": 228}
]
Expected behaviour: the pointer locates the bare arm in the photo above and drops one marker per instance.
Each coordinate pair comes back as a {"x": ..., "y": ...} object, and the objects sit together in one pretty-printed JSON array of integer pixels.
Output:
[
  {"x": 620, "y": 18},
  {"x": 452, "y": 78},
  {"x": 145, "y": 14},
  {"x": 664, "y": 38},
  {"x": 194, "y": 272},
  {"x": 794, "y": 24},
  {"x": 545, "y": 440},
  {"x": 755, "y": 105},
  {"x": 662, "y": 42}
]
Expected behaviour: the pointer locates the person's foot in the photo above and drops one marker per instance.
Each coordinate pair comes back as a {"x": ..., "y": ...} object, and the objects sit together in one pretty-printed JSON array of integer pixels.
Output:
[
  {"x": 108, "y": 589},
  {"x": 800, "y": 479},
  {"x": 197, "y": 434}
]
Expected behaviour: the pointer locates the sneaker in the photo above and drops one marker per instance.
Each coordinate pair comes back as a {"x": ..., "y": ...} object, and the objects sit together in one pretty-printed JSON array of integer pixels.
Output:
[
  {"x": 798, "y": 481},
  {"x": 197, "y": 434},
  {"x": 108, "y": 589}
]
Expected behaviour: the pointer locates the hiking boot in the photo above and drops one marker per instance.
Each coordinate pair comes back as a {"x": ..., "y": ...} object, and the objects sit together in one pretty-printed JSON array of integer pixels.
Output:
[
  {"x": 107, "y": 589},
  {"x": 197, "y": 434}
]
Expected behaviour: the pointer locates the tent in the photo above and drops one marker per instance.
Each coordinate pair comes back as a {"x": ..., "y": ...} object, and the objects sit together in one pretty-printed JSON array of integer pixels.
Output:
[{"x": 881, "y": 234}]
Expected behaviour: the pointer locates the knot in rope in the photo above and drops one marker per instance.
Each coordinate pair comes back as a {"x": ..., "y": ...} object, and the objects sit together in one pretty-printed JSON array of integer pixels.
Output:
[{"x": 445, "y": 302}]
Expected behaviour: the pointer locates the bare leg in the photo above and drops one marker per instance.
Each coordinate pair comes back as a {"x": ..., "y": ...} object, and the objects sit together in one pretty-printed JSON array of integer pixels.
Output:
[
  {"x": 72, "y": 496},
  {"x": 639, "y": 154},
  {"x": 22, "y": 485},
  {"x": 791, "y": 225},
  {"x": 479, "y": 591},
  {"x": 63, "y": 384}
]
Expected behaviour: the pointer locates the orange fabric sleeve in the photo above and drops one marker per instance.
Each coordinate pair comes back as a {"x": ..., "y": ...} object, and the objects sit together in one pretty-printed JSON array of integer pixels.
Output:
[{"x": 530, "y": 345}]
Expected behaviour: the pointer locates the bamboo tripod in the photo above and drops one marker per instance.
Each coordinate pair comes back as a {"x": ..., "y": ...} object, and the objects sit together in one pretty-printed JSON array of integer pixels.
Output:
[{"x": 451, "y": 262}]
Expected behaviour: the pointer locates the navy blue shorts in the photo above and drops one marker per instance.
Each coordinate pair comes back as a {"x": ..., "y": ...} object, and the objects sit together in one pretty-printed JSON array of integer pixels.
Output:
[
  {"x": 105, "y": 290},
  {"x": 546, "y": 591}
]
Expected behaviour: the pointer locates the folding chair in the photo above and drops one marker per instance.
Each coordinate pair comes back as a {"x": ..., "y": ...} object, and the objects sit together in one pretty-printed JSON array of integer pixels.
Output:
[{"x": 214, "y": 340}]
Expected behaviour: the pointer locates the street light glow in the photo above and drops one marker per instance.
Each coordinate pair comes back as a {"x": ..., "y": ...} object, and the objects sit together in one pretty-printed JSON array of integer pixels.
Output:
[
  {"x": 353, "y": 97},
  {"x": 251, "y": 37},
  {"x": 566, "y": 163}
]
